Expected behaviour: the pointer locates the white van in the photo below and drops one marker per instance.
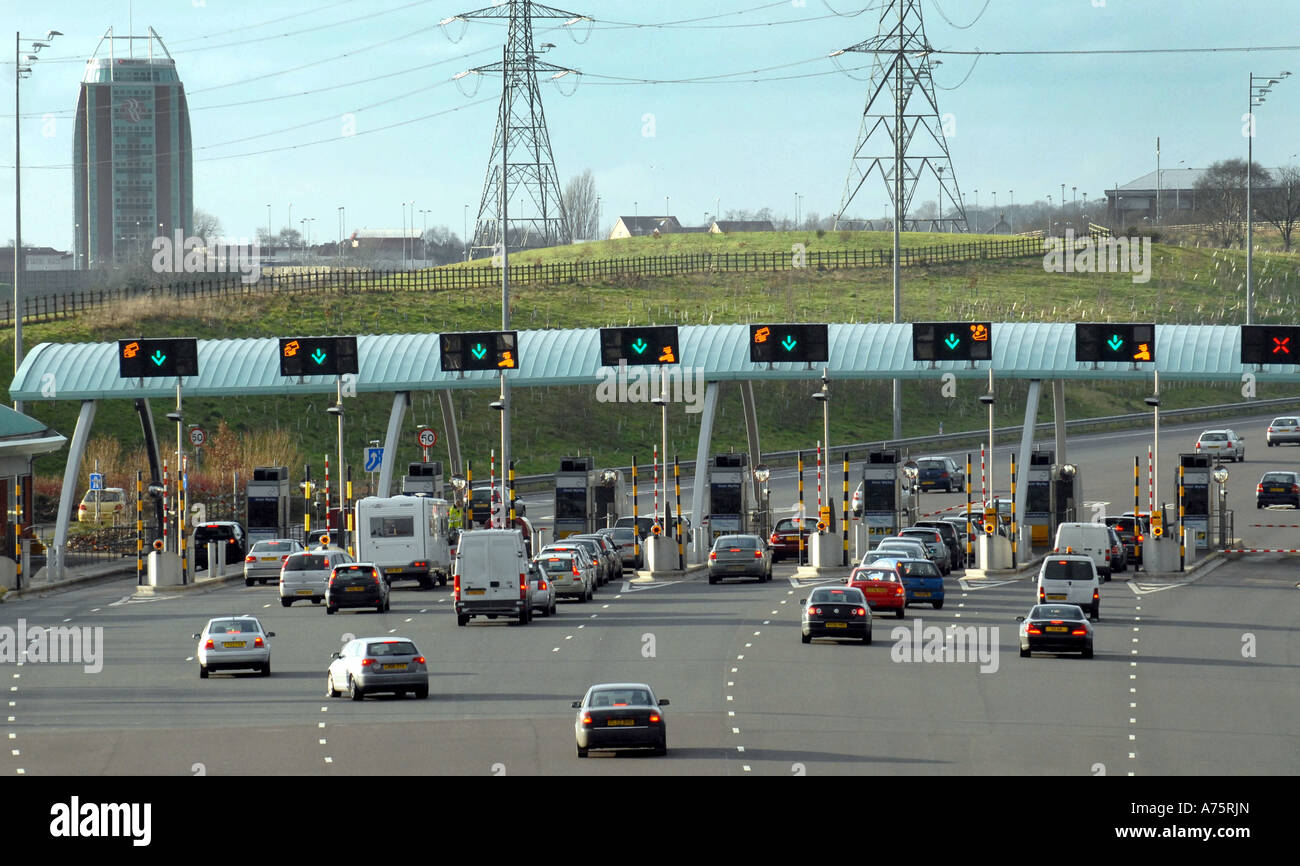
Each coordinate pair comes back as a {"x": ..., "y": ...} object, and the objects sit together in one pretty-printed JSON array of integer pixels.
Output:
[
  {"x": 490, "y": 576},
  {"x": 1070, "y": 579},
  {"x": 1086, "y": 539},
  {"x": 406, "y": 536}
]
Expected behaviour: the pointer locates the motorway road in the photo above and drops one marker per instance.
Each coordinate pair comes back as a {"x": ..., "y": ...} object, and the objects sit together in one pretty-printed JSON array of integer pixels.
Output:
[{"x": 1192, "y": 676}]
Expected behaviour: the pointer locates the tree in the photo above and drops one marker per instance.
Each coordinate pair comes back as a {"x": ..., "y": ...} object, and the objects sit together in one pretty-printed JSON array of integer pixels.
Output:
[
  {"x": 206, "y": 226},
  {"x": 1221, "y": 198},
  {"x": 1279, "y": 206},
  {"x": 443, "y": 246},
  {"x": 580, "y": 206}
]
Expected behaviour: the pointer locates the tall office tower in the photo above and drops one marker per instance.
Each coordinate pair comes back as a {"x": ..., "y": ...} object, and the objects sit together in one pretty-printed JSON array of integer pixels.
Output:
[{"x": 132, "y": 151}]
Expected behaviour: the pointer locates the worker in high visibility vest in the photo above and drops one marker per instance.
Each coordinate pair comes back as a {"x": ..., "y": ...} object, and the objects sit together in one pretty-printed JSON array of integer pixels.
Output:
[{"x": 455, "y": 517}]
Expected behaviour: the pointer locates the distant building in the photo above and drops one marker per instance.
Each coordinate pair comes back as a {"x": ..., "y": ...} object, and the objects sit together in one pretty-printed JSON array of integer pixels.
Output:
[
  {"x": 36, "y": 259},
  {"x": 385, "y": 244},
  {"x": 134, "y": 171},
  {"x": 727, "y": 227},
  {"x": 644, "y": 226}
]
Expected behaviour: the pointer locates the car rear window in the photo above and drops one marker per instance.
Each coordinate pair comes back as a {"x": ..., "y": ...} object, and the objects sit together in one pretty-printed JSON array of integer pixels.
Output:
[
  {"x": 620, "y": 698},
  {"x": 306, "y": 562},
  {"x": 392, "y": 527},
  {"x": 275, "y": 546},
  {"x": 211, "y": 533},
  {"x": 1067, "y": 569},
  {"x": 1278, "y": 478},
  {"x": 1056, "y": 611},
  {"x": 830, "y": 596},
  {"x": 231, "y": 626},
  {"x": 557, "y": 563},
  {"x": 875, "y": 574},
  {"x": 746, "y": 541},
  {"x": 921, "y": 569},
  {"x": 1288, "y": 422},
  {"x": 788, "y": 525},
  {"x": 1214, "y": 437},
  {"x": 391, "y": 648}
]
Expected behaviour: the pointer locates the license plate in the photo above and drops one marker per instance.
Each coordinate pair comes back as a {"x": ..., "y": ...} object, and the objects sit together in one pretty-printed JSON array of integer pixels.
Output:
[
  {"x": 837, "y": 625},
  {"x": 1056, "y": 598},
  {"x": 737, "y": 567},
  {"x": 400, "y": 667},
  {"x": 304, "y": 592},
  {"x": 619, "y": 723},
  {"x": 921, "y": 594},
  {"x": 232, "y": 644},
  {"x": 876, "y": 589},
  {"x": 476, "y": 592},
  {"x": 1056, "y": 628},
  {"x": 270, "y": 559},
  {"x": 356, "y": 589},
  {"x": 1276, "y": 490}
]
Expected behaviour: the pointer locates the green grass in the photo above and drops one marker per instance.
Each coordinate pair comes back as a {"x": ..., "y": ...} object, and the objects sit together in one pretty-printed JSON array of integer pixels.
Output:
[{"x": 1188, "y": 285}]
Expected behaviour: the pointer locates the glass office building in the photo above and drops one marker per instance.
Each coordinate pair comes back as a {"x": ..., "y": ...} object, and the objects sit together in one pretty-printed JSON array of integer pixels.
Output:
[{"x": 132, "y": 152}]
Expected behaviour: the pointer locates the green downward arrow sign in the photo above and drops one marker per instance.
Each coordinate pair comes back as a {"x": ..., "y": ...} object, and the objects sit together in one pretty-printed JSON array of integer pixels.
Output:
[
  {"x": 1115, "y": 342},
  {"x": 789, "y": 343},
  {"x": 478, "y": 351},
  {"x": 952, "y": 341},
  {"x": 318, "y": 356},
  {"x": 158, "y": 357},
  {"x": 639, "y": 346}
]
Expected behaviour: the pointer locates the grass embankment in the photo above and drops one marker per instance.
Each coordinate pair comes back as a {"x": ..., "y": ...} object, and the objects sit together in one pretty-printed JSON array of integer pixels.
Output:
[{"x": 1188, "y": 285}]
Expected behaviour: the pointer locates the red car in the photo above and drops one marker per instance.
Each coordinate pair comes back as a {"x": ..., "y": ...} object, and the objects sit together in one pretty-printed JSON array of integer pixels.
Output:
[
  {"x": 882, "y": 588},
  {"x": 785, "y": 537}
]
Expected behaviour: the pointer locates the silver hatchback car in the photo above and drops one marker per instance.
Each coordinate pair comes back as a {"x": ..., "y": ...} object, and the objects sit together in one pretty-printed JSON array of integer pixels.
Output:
[
  {"x": 265, "y": 558},
  {"x": 234, "y": 643},
  {"x": 367, "y": 665},
  {"x": 306, "y": 574}
]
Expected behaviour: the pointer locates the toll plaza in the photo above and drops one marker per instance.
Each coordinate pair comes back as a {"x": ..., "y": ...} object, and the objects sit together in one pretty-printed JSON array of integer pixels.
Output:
[
  {"x": 268, "y": 503},
  {"x": 425, "y": 478},
  {"x": 609, "y": 498},
  {"x": 575, "y": 499},
  {"x": 882, "y": 500},
  {"x": 1038, "y": 497},
  {"x": 730, "y": 496},
  {"x": 1192, "y": 479}
]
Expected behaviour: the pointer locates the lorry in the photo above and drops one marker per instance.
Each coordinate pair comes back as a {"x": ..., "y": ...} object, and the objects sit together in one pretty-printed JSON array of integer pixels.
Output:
[{"x": 406, "y": 536}]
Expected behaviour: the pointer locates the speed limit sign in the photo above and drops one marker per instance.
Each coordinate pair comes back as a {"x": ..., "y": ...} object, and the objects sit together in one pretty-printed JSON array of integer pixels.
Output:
[
  {"x": 427, "y": 437},
  {"x": 198, "y": 436}
]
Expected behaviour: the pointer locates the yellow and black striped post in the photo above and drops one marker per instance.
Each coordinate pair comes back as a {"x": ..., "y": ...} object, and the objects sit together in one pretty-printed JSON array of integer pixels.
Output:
[
  {"x": 1182, "y": 531},
  {"x": 1013, "y": 509},
  {"x": 1137, "y": 506},
  {"x": 183, "y": 503},
  {"x": 347, "y": 507},
  {"x": 970, "y": 530},
  {"x": 306, "y": 502},
  {"x": 139, "y": 527},
  {"x": 844, "y": 514},
  {"x": 510, "y": 492},
  {"x": 799, "y": 516},
  {"x": 469, "y": 495},
  {"x": 636, "y": 523},
  {"x": 677, "y": 488},
  {"x": 18, "y": 532}
]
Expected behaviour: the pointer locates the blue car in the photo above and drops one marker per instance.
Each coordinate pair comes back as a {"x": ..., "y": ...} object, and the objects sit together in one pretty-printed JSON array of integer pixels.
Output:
[{"x": 921, "y": 578}]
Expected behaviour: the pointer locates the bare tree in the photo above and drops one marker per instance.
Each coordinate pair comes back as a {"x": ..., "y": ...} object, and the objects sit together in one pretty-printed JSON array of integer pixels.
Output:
[
  {"x": 206, "y": 225},
  {"x": 1221, "y": 198},
  {"x": 1279, "y": 206},
  {"x": 443, "y": 246},
  {"x": 580, "y": 206}
]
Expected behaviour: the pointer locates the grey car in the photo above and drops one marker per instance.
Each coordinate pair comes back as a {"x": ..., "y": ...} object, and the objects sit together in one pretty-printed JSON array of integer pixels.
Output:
[
  {"x": 615, "y": 716},
  {"x": 740, "y": 556},
  {"x": 624, "y": 538},
  {"x": 935, "y": 545},
  {"x": 234, "y": 643},
  {"x": 265, "y": 559},
  {"x": 368, "y": 665},
  {"x": 543, "y": 590},
  {"x": 306, "y": 574},
  {"x": 608, "y": 554}
]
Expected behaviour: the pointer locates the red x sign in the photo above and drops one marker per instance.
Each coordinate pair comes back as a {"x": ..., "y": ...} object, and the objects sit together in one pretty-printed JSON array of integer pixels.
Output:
[{"x": 1280, "y": 346}]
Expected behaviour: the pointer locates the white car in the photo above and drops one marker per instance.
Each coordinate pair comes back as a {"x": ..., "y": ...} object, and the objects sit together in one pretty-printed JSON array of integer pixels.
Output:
[
  {"x": 568, "y": 574},
  {"x": 1284, "y": 429},
  {"x": 1222, "y": 444},
  {"x": 306, "y": 574},
  {"x": 1070, "y": 579},
  {"x": 367, "y": 665},
  {"x": 234, "y": 643},
  {"x": 543, "y": 594}
]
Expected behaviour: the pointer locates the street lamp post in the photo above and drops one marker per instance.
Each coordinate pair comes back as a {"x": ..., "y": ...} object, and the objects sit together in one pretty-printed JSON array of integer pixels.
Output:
[
  {"x": 1011, "y": 212},
  {"x": 1257, "y": 94},
  {"x": 1221, "y": 478},
  {"x": 762, "y": 474},
  {"x": 337, "y": 411},
  {"x": 662, "y": 402}
]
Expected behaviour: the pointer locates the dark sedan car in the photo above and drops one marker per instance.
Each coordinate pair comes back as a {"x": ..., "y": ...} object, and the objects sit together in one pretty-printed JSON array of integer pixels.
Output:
[
  {"x": 356, "y": 584},
  {"x": 1055, "y": 628},
  {"x": 1278, "y": 488},
  {"x": 785, "y": 537},
  {"x": 225, "y": 532},
  {"x": 739, "y": 556},
  {"x": 940, "y": 473},
  {"x": 614, "y": 716},
  {"x": 1133, "y": 532},
  {"x": 838, "y": 613}
]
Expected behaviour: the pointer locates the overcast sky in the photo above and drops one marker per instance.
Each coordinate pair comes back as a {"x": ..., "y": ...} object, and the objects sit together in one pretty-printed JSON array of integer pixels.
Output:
[{"x": 271, "y": 85}]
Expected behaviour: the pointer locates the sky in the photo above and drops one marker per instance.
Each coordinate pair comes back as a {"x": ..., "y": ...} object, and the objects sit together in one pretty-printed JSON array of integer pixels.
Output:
[{"x": 329, "y": 104}]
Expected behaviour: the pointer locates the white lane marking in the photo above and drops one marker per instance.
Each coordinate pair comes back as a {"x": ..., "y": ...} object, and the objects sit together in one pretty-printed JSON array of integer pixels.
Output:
[
  {"x": 767, "y": 622},
  {"x": 1132, "y": 721},
  {"x": 731, "y": 713},
  {"x": 757, "y": 633},
  {"x": 21, "y": 771},
  {"x": 733, "y": 670},
  {"x": 15, "y": 752},
  {"x": 94, "y": 610},
  {"x": 408, "y": 619},
  {"x": 584, "y": 625},
  {"x": 740, "y": 748},
  {"x": 69, "y": 619},
  {"x": 1132, "y": 705},
  {"x": 392, "y": 631},
  {"x": 555, "y": 649},
  {"x": 746, "y": 768},
  {"x": 593, "y": 616},
  {"x": 322, "y": 742},
  {"x": 740, "y": 657},
  {"x": 604, "y": 607},
  {"x": 324, "y": 709},
  {"x": 320, "y": 724},
  {"x": 1132, "y": 736},
  {"x": 11, "y": 718},
  {"x": 568, "y": 637},
  {"x": 730, "y": 698},
  {"x": 328, "y": 759},
  {"x": 747, "y": 646},
  {"x": 735, "y": 730}
]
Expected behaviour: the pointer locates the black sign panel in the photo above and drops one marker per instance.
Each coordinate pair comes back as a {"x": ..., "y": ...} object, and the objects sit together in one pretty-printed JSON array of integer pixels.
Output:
[
  {"x": 1127, "y": 342},
  {"x": 952, "y": 341},
  {"x": 318, "y": 356},
  {"x": 805, "y": 343},
  {"x": 480, "y": 350},
  {"x": 1270, "y": 344},
  {"x": 159, "y": 358},
  {"x": 653, "y": 345}
]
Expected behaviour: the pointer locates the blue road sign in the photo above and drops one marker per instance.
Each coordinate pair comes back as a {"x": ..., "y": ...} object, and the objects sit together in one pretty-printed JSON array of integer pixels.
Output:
[
  {"x": 374, "y": 458},
  {"x": 96, "y": 481}
]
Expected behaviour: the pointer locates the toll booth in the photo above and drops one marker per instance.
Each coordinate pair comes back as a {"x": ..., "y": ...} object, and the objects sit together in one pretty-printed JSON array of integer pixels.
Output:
[
  {"x": 609, "y": 498},
  {"x": 268, "y": 503},
  {"x": 882, "y": 503},
  {"x": 423, "y": 478},
  {"x": 575, "y": 501},
  {"x": 1196, "y": 499},
  {"x": 1038, "y": 497},
  {"x": 1067, "y": 496},
  {"x": 730, "y": 501}
]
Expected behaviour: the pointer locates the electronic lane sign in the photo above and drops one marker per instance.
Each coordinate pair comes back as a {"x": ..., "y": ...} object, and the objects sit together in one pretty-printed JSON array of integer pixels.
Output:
[
  {"x": 1125, "y": 342},
  {"x": 318, "y": 356},
  {"x": 160, "y": 358},
  {"x": 1270, "y": 344},
  {"x": 480, "y": 350},
  {"x": 650, "y": 345},
  {"x": 952, "y": 341},
  {"x": 803, "y": 343}
]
